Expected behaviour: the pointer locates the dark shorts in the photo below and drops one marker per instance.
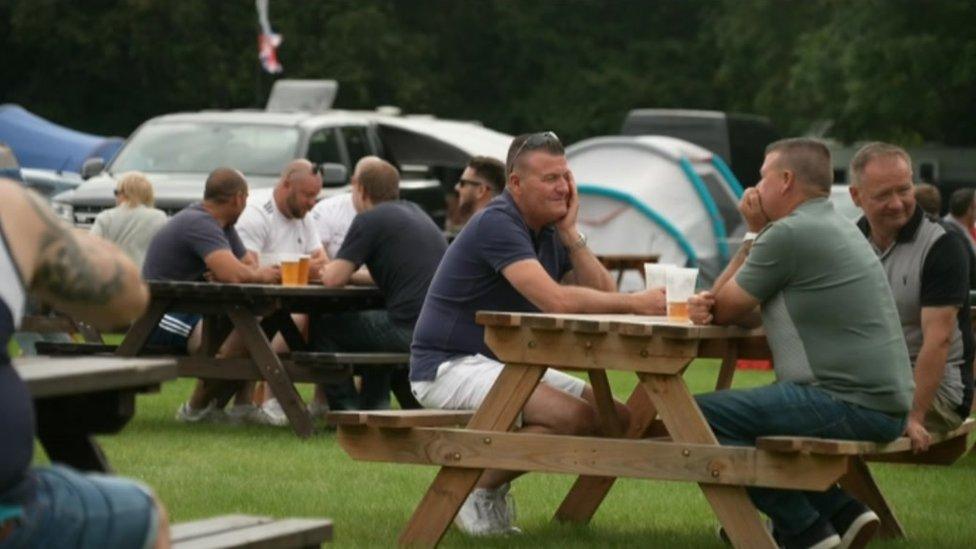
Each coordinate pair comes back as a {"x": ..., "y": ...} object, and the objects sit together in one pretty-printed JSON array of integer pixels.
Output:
[
  {"x": 71, "y": 509},
  {"x": 173, "y": 332}
]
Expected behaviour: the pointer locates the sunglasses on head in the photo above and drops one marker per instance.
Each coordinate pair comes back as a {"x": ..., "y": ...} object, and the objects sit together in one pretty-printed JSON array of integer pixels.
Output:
[{"x": 535, "y": 141}]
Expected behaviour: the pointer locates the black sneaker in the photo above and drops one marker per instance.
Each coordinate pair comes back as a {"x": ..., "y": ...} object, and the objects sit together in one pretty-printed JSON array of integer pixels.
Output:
[
  {"x": 856, "y": 523},
  {"x": 819, "y": 536}
]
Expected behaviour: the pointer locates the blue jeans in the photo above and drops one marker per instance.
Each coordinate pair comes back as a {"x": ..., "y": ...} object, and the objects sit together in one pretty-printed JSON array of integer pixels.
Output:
[
  {"x": 738, "y": 417},
  {"x": 66, "y": 508},
  {"x": 362, "y": 331}
]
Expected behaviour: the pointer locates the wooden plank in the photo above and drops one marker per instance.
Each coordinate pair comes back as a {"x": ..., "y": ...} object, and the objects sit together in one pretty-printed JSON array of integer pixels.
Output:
[
  {"x": 400, "y": 419},
  {"x": 58, "y": 376},
  {"x": 594, "y": 456},
  {"x": 855, "y": 447},
  {"x": 946, "y": 452},
  {"x": 246, "y": 369},
  {"x": 861, "y": 485},
  {"x": 188, "y": 530},
  {"x": 729, "y": 358},
  {"x": 588, "y": 492},
  {"x": 351, "y": 358},
  {"x": 451, "y": 486},
  {"x": 417, "y": 418},
  {"x": 605, "y": 406},
  {"x": 610, "y": 351},
  {"x": 685, "y": 422},
  {"x": 259, "y": 348},
  {"x": 279, "y": 534},
  {"x": 617, "y": 322},
  {"x": 73, "y": 348}
]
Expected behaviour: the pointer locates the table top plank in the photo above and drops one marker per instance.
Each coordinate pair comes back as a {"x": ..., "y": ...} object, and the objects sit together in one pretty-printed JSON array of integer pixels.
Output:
[
  {"x": 59, "y": 376},
  {"x": 216, "y": 290},
  {"x": 633, "y": 325}
]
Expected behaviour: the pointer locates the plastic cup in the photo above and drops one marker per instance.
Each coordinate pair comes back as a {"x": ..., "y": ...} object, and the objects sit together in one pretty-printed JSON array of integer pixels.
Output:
[
  {"x": 290, "y": 269},
  {"x": 303, "y": 263},
  {"x": 680, "y": 287},
  {"x": 656, "y": 275}
]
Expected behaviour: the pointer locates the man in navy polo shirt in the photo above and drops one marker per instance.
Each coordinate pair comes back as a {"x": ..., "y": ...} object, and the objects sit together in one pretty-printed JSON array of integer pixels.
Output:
[{"x": 521, "y": 253}]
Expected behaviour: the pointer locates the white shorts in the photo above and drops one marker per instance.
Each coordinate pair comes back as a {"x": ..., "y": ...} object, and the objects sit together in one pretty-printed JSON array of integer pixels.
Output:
[{"x": 463, "y": 383}]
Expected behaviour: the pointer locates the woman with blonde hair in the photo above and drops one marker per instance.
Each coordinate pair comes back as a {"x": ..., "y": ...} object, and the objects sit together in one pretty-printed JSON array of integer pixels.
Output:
[{"x": 133, "y": 221}]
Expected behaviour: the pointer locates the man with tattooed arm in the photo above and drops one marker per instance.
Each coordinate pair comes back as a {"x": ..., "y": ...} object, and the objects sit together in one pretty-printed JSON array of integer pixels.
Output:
[{"x": 94, "y": 281}]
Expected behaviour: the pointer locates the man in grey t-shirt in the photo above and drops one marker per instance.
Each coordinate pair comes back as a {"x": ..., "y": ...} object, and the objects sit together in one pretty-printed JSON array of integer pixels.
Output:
[
  {"x": 201, "y": 239},
  {"x": 841, "y": 365}
]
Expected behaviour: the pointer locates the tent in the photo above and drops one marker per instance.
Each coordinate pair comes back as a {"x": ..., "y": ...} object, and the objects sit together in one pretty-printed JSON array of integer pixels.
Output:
[
  {"x": 39, "y": 143},
  {"x": 657, "y": 195}
]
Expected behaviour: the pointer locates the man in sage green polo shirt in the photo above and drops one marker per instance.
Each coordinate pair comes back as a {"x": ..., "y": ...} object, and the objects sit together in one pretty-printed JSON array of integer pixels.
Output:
[{"x": 841, "y": 365}]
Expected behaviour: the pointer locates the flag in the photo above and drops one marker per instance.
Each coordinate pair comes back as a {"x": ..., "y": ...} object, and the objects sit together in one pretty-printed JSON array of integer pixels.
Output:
[{"x": 268, "y": 41}]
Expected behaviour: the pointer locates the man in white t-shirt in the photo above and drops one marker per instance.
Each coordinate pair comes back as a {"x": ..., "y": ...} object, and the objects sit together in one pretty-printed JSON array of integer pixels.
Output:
[
  {"x": 332, "y": 218},
  {"x": 281, "y": 225}
]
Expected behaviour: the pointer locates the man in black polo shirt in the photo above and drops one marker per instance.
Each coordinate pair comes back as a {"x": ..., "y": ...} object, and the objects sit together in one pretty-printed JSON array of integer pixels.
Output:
[
  {"x": 401, "y": 246},
  {"x": 932, "y": 301}
]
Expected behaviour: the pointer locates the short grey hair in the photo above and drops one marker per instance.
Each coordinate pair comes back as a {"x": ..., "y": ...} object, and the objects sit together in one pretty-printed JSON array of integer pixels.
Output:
[
  {"x": 808, "y": 159},
  {"x": 873, "y": 151}
]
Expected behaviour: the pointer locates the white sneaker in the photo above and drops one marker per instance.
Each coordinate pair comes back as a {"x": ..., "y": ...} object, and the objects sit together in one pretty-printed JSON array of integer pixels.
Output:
[
  {"x": 210, "y": 414},
  {"x": 241, "y": 413},
  {"x": 487, "y": 513},
  {"x": 273, "y": 413},
  {"x": 318, "y": 410}
]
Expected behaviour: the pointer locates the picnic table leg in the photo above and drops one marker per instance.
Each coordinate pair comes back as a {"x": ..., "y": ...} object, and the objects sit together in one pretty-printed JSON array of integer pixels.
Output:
[
  {"x": 729, "y": 360},
  {"x": 135, "y": 339},
  {"x": 685, "y": 422},
  {"x": 261, "y": 352},
  {"x": 860, "y": 483},
  {"x": 451, "y": 486},
  {"x": 588, "y": 492}
]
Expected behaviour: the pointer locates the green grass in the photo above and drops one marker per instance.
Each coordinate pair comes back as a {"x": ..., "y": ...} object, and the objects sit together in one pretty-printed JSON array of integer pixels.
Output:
[{"x": 205, "y": 470}]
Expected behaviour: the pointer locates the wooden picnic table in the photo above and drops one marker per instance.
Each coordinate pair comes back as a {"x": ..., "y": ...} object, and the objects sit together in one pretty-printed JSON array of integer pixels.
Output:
[
  {"x": 668, "y": 438},
  {"x": 626, "y": 262},
  {"x": 76, "y": 397},
  {"x": 257, "y": 312}
]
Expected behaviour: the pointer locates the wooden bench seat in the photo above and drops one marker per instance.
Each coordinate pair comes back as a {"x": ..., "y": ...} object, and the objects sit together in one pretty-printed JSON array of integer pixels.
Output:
[
  {"x": 351, "y": 358},
  {"x": 401, "y": 419},
  {"x": 251, "y": 531},
  {"x": 875, "y": 451}
]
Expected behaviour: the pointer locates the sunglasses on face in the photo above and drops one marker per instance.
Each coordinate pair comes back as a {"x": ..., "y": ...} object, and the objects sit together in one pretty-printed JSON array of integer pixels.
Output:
[
  {"x": 535, "y": 141},
  {"x": 471, "y": 182}
]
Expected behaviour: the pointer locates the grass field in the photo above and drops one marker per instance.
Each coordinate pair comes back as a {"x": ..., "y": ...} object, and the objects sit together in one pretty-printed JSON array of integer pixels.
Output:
[{"x": 205, "y": 470}]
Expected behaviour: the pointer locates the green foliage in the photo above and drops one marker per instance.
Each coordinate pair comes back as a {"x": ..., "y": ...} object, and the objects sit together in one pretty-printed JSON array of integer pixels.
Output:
[{"x": 902, "y": 70}]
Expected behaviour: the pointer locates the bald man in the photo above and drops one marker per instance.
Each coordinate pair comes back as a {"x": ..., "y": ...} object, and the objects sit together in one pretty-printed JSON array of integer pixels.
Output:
[
  {"x": 401, "y": 246},
  {"x": 281, "y": 225}
]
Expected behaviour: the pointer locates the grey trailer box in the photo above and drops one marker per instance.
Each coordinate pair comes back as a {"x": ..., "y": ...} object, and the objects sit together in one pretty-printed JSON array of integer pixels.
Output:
[{"x": 740, "y": 139}]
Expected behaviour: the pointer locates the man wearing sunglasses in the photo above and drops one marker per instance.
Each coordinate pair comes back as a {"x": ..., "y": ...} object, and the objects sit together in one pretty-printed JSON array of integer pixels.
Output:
[
  {"x": 523, "y": 252},
  {"x": 483, "y": 179}
]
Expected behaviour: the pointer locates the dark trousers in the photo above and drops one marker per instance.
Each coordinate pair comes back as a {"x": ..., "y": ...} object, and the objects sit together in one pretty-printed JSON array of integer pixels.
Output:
[
  {"x": 366, "y": 331},
  {"x": 738, "y": 417}
]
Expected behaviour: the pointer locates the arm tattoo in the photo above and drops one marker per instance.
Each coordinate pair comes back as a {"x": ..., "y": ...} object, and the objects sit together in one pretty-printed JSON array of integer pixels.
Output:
[{"x": 65, "y": 268}]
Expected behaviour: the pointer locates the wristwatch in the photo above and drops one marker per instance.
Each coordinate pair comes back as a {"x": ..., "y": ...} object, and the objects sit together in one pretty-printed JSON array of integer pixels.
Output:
[{"x": 578, "y": 245}]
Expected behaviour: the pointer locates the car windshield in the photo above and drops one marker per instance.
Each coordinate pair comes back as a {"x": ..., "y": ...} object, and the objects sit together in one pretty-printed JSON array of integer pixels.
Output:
[{"x": 204, "y": 146}]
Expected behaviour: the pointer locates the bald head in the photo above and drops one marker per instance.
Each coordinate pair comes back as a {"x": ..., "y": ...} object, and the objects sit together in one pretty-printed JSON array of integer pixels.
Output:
[
  {"x": 297, "y": 170},
  {"x": 223, "y": 185},
  {"x": 379, "y": 179}
]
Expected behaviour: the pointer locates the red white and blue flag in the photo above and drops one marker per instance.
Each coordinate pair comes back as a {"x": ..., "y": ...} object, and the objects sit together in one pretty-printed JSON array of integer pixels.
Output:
[{"x": 268, "y": 41}]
